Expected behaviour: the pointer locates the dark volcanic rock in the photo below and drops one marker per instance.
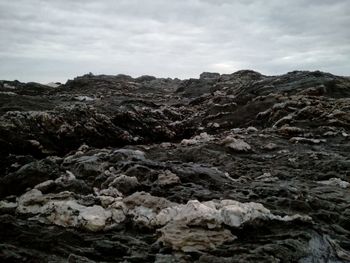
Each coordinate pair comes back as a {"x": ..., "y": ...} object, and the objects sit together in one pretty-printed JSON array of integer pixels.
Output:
[{"x": 236, "y": 167}]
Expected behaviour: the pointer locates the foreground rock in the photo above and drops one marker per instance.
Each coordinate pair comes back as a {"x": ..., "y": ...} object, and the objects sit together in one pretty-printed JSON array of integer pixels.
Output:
[{"x": 236, "y": 167}]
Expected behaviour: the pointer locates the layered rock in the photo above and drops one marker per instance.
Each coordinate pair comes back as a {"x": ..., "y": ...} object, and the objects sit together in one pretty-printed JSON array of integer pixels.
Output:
[{"x": 236, "y": 167}]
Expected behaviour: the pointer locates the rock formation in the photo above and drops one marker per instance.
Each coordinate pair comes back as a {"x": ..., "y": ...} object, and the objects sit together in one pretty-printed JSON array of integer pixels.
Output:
[{"x": 236, "y": 167}]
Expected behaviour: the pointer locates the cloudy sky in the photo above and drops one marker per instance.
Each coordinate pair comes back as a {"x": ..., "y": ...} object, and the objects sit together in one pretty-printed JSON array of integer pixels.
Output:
[{"x": 53, "y": 40}]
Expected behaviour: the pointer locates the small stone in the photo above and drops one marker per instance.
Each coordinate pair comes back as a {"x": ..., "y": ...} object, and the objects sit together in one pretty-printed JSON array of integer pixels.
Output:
[
  {"x": 45, "y": 186},
  {"x": 35, "y": 143},
  {"x": 252, "y": 129},
  {"x": 84, "y": 98},
  {"x": 289, "y": 130},
  {"x": 165, "y": 144},
  {"x": 83, "y": 148},
  {"x": 239, "y": 145},
  {"x": 201, "y": 138},
  {"x": 329, "y": 134},
  {"x": 7, "y": 207},
  {"x": 106, "y": 200},
  {"x": 110, "y": 191},
  {"x": 125, "y": 184},
  {"x": 270, "y": 146},
  {"x": 168, "y": 178}
]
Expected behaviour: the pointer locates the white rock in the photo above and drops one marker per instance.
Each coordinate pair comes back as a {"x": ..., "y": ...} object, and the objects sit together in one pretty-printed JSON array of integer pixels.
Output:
[
  {"x": 106, "y": 200},
  {"x": 168, "y": 178},
  {"x": 187, "y": 142},
  {"x": 83, "y": 148},
  {"x": 239, "y": 145},
  {"x": 186, "y": 239},
  {"x": 165, "y": 144},
  {"x": 193, "y": 213},
  {"x": 71, "y": 214},
  {"x": 84, "y": 98},
  {"x": 30, "y": 202},
  {"x": 8, "y": 86},
  {"x": 330, "y": 133},
  {"x": 67, "y": 177},
  {"x": 94, "y": 218},
  {"x": 63, "y": 213},
  {"x": 234, "y": 213},
  {"x": 201, "y": 138},
  {"x": 7, "y": 206},
  {"x": 66, "y": 212},
  {"x": 237, "y": 130},
  {"x": 118, "y": 215},
  {"x": 214, "y": 214},
  {"x": 110, "y": 191},
  {"x": 130, "y": 154},
  {"x": 53, "y": 85},
  {"x": 336, "y": 182},
  {"x": 144, "y": 207},
  {"x": 35, "y": 143},
  {"x": 252, "y": 129},
  {"x": 143, "y": 215},
  {"x": 283, "y": 120}
]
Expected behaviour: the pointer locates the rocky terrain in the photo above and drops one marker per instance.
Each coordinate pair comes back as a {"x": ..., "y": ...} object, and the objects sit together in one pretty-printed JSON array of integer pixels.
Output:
[{"x": 237, "y": 167}]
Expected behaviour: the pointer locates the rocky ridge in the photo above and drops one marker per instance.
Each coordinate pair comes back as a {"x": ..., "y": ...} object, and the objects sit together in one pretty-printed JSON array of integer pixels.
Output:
[{"x": 236, "y": 167}]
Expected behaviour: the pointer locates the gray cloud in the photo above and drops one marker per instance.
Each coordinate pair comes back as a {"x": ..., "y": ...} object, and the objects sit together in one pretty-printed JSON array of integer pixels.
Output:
[{"x": 45, "y": 40}]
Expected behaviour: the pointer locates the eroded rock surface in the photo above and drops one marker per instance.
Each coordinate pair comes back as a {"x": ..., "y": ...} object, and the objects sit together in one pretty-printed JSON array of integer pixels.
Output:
[{"x": 236, "y": 167}]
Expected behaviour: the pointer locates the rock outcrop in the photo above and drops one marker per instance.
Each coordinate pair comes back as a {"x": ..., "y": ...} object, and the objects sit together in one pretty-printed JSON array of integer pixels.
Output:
[{"x": 235, "y": 167}]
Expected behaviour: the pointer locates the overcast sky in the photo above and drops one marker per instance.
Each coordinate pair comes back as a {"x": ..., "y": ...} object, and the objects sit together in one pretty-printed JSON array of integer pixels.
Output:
[{"x": 46, "y": 40}]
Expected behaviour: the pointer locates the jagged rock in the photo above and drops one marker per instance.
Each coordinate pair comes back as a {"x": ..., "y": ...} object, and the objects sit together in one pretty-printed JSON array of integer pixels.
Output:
[
  {"x": 75, "y": 158},
  {"x": 237, "y": 145},
  {"x": 168, "y": 178},
  {"x": 336, "y": 182},
  {"x": 28, "y": 176},
  {"x": 144, "y": 208},
  {"x": 94, "y": 218},
  {"x": 110, "y": 191},
  {"x": 213, "y": 214},
  {"x": 145, "y": 199},
  {"x": 125, "y": 184},
  {"x": 202, "y": 137},
  {"x": 65, "y": 212},
  {"x": 193, "y": 213},
  {"x": 183, "y": 238}
]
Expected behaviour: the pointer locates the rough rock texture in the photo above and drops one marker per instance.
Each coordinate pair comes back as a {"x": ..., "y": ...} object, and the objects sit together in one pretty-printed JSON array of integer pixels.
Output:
[{"x": 236, "y": 167}]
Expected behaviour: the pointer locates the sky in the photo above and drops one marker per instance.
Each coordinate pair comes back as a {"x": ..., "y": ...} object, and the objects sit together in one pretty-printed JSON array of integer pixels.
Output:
[{"x": 53, "y": 40}]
